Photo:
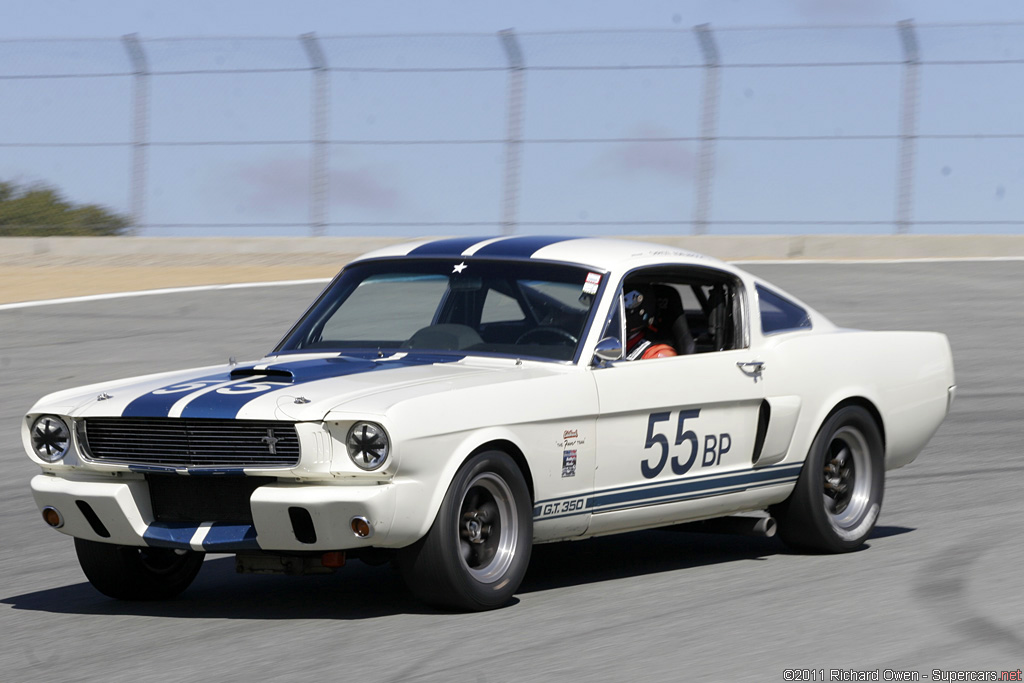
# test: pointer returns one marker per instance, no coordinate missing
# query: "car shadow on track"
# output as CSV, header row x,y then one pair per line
x,y
607,558
359,591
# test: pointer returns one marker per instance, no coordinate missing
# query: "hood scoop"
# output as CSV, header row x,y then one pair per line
x,y
274,374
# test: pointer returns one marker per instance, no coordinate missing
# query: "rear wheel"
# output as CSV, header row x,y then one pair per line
x,y
475,555
837,498
131,573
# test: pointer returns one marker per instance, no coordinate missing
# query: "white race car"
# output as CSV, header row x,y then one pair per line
x,y
450,403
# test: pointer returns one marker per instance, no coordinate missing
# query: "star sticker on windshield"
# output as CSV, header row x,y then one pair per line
x,y
459,268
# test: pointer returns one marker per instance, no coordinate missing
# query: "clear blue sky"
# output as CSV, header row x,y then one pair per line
x,y
955,180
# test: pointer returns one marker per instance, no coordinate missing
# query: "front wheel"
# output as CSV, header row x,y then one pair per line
x,y
131,573
475,555
837,498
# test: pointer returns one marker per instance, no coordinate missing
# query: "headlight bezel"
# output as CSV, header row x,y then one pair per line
x,y
368,445
50,446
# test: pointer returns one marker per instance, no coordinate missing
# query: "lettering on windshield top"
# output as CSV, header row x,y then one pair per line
x,y
710,447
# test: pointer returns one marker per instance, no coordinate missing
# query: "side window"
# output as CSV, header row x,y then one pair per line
x,y
779,314
500,307
674,311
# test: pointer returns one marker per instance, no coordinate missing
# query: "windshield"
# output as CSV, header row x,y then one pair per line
x,y
521,309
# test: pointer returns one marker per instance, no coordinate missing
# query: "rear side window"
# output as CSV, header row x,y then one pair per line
x,y
779,314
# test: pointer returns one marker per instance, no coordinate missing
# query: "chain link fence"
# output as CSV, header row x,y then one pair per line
x,y
853,129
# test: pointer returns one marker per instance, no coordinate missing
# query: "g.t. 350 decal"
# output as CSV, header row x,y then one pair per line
x,y
714,446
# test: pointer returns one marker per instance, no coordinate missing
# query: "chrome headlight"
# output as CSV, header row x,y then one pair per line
x,y
51,438
367,445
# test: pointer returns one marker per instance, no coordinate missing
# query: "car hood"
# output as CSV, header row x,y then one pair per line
x,y
300,388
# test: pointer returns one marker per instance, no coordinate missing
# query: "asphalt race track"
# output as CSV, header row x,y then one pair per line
x,y
939,586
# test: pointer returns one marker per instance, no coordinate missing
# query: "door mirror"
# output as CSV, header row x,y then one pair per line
x,y
608,349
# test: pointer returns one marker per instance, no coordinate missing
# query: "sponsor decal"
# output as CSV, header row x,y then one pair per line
x,y
592,283
569,463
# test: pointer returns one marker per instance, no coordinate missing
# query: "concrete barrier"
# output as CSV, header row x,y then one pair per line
x,y
316,251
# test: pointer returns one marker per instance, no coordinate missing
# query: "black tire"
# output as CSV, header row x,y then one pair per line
x,y
131,573
475,555
838,497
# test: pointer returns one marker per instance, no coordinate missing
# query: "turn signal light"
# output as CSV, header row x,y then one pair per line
x,y
52,517
361,527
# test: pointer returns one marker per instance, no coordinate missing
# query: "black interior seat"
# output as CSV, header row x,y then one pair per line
x,y
670,319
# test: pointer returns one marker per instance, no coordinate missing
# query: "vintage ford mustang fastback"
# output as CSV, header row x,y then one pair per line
x,y
449,403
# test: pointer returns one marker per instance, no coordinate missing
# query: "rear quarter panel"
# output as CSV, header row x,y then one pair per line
x,y
905,375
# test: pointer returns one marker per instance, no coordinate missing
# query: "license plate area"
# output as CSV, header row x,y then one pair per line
x,y
196,499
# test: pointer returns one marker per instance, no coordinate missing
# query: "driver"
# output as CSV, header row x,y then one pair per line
x,y
640,333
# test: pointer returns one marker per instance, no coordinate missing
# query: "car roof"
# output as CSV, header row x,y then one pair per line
x,y
598,253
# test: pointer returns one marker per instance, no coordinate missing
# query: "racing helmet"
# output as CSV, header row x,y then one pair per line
x,y
639,304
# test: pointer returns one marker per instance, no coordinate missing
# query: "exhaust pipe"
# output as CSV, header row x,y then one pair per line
x,y
763,527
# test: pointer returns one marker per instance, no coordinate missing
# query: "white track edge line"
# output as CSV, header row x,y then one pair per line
x,y
167,290
871,261
286,283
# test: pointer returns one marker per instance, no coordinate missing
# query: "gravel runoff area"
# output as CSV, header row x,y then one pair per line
x,y
33,269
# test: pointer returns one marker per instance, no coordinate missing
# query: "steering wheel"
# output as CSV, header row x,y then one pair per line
x,y
556,335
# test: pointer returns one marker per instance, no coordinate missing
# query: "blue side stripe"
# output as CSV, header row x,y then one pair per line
x,y
674,491
449,247
683,487
520,247
699,494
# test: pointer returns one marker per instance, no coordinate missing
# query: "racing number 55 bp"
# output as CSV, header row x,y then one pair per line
x,y
714,446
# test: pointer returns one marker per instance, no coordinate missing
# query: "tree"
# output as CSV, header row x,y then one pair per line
x,y
40,210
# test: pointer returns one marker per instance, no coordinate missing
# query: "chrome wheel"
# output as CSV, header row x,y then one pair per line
x,y
488,527
838,496
847,473
475,555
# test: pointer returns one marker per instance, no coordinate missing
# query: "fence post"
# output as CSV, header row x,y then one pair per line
x,y
319,179
708,128
140,127
514,139
908,125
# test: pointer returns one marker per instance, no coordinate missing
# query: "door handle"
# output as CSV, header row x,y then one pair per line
x,y
754,367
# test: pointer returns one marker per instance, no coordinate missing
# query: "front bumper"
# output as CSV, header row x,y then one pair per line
x,y
119,511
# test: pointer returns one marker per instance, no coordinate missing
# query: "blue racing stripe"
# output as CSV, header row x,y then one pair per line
x,y
520,247
159,404
450,247
225,403
219,537
230,537
170,535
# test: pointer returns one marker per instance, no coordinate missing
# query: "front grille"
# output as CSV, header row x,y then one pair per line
x,y
177,442
203,499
